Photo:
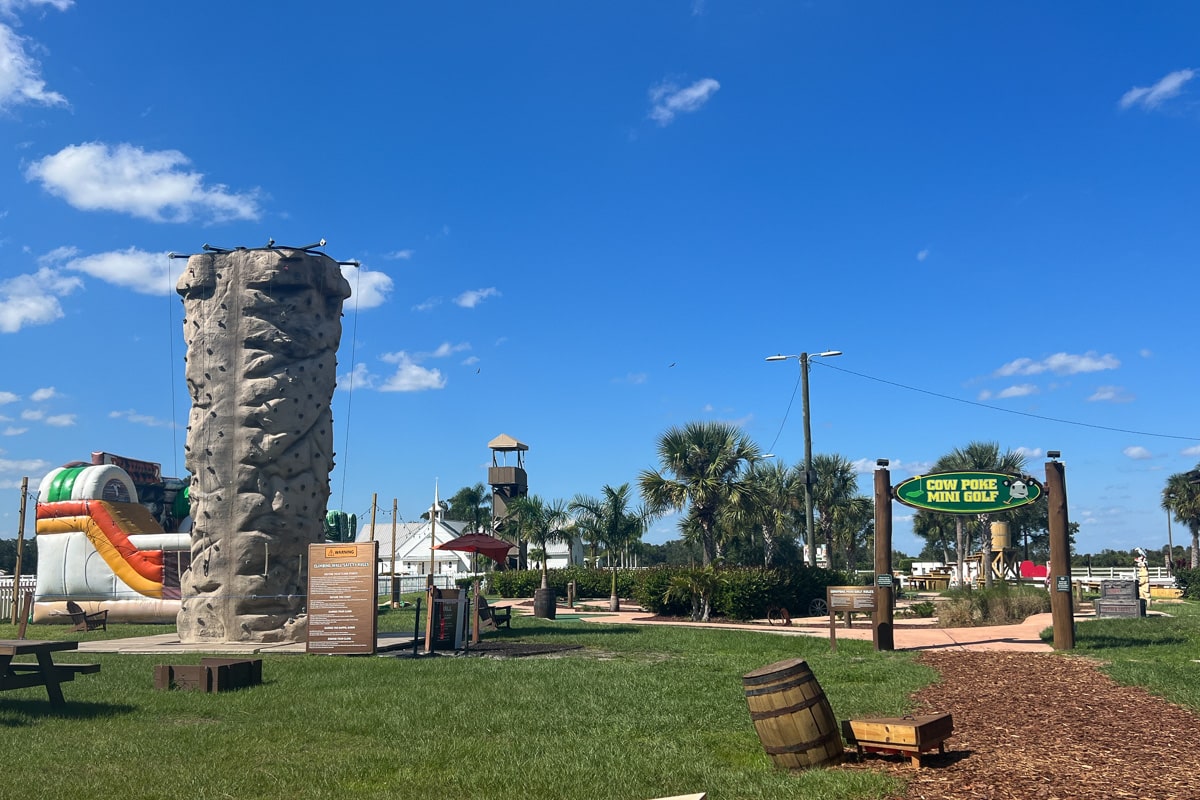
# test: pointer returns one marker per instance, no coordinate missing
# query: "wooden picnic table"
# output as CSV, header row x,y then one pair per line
x,y
20,675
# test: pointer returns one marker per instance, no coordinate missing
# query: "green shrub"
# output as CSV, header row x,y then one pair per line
x,y
1189,581
925,609
1002,604
743,593
651,589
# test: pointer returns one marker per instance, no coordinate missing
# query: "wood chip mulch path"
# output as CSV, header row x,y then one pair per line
x,y
1048,727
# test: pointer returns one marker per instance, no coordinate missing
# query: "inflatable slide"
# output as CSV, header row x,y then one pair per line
x,y
102,549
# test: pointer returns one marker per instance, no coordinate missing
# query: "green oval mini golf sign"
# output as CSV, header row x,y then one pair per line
x,y
968,492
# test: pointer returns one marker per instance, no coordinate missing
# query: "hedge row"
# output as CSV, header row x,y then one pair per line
x,y
1189,581
741,593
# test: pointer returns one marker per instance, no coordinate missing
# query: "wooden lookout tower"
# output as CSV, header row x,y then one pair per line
x,y
507,481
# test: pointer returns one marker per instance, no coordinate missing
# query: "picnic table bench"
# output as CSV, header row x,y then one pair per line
x,y
43,672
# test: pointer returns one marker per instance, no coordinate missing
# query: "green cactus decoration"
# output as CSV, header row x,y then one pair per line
x,y
340,526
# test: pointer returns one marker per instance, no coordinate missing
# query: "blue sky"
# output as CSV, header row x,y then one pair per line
x,y
580,225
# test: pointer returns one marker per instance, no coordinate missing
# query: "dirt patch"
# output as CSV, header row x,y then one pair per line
x,y
1032,725
503,649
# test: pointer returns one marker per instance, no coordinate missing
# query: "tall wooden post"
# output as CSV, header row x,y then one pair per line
x,y
1061,603
882,634
16,608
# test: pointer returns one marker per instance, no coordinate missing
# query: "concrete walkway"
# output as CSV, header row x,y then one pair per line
x,y
919,634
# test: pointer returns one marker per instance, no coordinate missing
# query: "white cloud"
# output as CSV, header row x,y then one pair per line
x,y
443,350
44,394
33,414
1018,390
60,420
428,305
401,255
475,297
1150,97
11,431
986,394
358,378
1060,364
923,254
1194,450
1137,453
1110,394
131,268
1029,452
8,397
33,299
867,466
141,419
669,100
150,185
10,7
24,466
368,288
20,74
634,378
410,376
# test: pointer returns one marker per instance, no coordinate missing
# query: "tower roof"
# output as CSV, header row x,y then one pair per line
x,y
506,442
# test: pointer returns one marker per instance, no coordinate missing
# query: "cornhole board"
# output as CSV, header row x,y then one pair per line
x,y
911,736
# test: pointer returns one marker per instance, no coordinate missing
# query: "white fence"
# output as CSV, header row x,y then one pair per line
x,y
28,583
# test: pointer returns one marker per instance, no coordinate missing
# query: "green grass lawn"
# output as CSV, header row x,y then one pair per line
x,y
639,712
1161,654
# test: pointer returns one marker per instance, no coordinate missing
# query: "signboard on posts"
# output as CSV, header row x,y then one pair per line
x,y
968,492
342,607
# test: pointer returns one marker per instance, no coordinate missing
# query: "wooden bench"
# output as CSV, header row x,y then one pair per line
x,y
42,673
494,615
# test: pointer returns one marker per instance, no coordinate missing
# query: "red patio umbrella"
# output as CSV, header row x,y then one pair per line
x,y
490,546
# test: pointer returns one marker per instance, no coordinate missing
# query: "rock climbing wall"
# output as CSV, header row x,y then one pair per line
x,y
262,329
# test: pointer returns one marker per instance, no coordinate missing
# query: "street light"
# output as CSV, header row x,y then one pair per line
x,y
803,358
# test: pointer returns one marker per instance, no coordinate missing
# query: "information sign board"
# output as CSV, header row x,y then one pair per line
x,y
342,606
850,598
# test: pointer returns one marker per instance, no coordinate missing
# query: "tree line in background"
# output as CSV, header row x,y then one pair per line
x,y
738,507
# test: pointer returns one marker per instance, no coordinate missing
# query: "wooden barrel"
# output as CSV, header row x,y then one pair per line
x,y
793,718
543,603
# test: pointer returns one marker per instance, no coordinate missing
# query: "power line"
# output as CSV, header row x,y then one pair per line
x,y
1005,410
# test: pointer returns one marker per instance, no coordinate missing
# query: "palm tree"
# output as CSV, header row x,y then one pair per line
x,y
782,502
705,462
979,457
696,586
837,502
539,524
472,504
1181,497
609,521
